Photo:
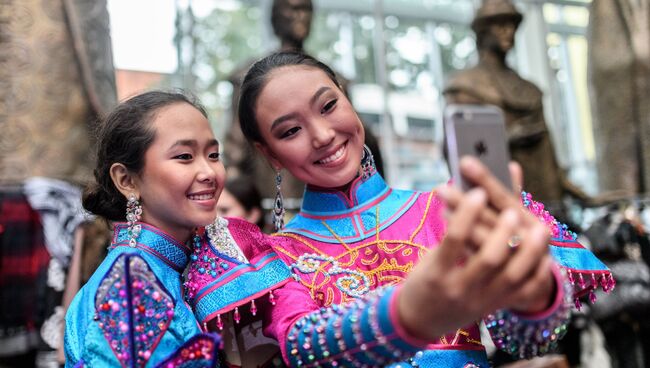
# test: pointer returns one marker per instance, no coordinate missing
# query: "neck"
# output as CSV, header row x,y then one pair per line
x,y
289,45
492,58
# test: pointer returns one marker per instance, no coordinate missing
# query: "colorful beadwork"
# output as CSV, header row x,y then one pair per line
x,y
527,338
200,351
339,335
133,309
558,229
205,262
223,242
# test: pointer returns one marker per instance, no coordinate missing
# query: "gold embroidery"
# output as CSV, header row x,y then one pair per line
x,y
367,254
424,216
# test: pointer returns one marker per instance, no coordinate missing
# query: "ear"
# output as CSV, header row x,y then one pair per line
x,y
270,156
123,180
254,215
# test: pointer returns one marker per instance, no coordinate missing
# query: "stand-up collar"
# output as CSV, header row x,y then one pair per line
x,y
319,201
155,242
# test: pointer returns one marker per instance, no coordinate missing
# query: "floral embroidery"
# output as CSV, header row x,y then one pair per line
x,y
353,283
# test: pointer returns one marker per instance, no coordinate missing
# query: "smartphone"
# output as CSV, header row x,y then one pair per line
x,y
479,131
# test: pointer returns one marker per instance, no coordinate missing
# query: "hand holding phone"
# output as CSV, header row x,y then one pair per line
x,y
479,131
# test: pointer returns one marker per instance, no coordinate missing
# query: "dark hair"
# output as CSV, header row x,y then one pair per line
x,y
245,192
123,137
257,77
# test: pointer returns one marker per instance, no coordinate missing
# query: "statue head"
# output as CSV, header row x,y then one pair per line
x,y
495,24
291,21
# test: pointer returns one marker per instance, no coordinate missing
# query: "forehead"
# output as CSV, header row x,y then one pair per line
x,y
179,120
294,82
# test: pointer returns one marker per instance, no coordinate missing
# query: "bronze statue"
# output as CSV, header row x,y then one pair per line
x,y
619,74
291,22
493,82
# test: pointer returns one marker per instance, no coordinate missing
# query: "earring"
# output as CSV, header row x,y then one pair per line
x,y
133,214
367,163
278,205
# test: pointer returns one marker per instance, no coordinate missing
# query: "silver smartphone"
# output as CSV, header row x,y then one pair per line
x,y
479,131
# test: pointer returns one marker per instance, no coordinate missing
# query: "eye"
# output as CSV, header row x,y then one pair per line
x,y
329,106
214,156
290,132
183,156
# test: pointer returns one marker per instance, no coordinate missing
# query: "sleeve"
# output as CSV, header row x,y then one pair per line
x,y
530,335
231,267
133,311
578,272
364,332
583,269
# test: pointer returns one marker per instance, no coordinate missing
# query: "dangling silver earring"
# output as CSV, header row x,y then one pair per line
x,y
133,214
367,163
278,205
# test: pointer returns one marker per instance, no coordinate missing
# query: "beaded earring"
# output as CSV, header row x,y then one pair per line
x,y
278,205
367,163
133,214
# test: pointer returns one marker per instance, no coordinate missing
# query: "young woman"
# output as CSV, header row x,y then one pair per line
x,y
158,177
382,275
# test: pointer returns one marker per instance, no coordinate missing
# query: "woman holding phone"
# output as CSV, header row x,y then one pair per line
x,y
388,276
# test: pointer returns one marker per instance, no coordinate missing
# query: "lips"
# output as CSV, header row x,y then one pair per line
x,y
333,156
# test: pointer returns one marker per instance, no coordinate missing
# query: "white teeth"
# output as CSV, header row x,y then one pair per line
x,y
201,197
333,157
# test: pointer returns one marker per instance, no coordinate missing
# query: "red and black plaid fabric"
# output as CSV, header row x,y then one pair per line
x,y
24,262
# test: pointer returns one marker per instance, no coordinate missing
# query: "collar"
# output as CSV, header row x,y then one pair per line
x,y
334,202
156,242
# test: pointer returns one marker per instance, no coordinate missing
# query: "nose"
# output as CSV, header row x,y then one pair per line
x,y
207,171
322,134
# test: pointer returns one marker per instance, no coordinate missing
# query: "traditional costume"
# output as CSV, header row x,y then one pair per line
x,y
131,312
348,254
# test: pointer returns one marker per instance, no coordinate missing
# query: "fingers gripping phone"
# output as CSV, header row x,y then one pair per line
x,y
479,131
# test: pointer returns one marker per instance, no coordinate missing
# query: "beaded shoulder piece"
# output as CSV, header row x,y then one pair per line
x,y
133,309
220,278
583,269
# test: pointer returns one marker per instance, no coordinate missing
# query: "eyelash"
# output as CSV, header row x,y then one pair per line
x,y
329,106
290,132
188,156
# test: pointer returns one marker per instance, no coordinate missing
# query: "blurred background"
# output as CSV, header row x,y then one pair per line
x,y
65,63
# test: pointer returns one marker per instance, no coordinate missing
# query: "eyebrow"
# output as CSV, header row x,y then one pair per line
x,y
312,100
193,143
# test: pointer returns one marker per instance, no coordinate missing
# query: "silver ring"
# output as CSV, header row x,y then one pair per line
x,y
514,242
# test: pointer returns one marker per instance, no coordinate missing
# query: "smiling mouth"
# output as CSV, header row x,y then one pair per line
x,y
333,157
201,197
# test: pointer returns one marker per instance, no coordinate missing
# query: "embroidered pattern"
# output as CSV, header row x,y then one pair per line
x,y
352,283
386,262
133,309
221,239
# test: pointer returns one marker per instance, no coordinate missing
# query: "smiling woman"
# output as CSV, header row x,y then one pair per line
x,y
158,169
381,276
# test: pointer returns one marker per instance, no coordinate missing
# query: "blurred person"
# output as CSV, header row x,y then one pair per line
x,y
241,199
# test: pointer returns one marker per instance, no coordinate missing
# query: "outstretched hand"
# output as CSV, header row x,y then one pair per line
x,y
494,255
